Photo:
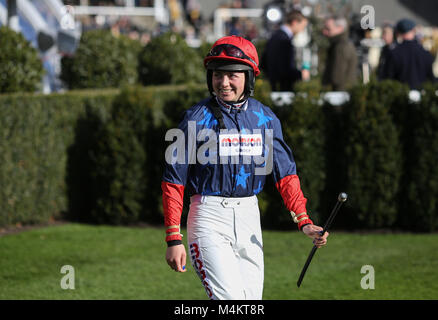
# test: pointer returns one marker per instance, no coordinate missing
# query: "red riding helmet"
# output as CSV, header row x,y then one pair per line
x,y
232,53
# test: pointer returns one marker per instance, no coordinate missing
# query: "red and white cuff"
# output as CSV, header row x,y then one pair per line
x,y
173,195
173,233
301,219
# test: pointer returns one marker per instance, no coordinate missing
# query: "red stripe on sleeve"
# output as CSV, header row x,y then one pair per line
x,y
290,190
173,196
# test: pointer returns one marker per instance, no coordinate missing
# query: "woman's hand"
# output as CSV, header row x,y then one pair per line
x,y
176,257
314,232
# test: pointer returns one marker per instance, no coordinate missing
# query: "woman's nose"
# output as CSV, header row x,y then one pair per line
x,y
225,81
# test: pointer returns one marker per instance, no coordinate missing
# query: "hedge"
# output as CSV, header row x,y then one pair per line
x,y
38,145
21,69
167,59
127,159
374,153
98,156
101,61
419,191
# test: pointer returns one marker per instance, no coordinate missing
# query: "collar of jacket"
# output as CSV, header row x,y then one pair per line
x,y
409,42
236,106
287,30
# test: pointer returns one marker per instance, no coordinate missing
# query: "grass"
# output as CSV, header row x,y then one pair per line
x,y
128,263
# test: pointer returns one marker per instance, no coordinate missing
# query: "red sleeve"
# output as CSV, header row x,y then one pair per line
x,y
173,196
290,190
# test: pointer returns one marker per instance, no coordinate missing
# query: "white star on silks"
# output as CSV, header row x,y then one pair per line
x,y
262,118
241,177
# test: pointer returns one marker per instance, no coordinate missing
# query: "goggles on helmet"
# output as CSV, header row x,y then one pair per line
x,y
230,51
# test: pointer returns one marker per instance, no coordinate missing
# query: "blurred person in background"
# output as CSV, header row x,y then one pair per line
x,y
236,4
409,62
193,14
235,27
251,31
389,39
278,59
341,65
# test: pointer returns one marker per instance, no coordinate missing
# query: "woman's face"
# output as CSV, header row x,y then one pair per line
x,y
388,35
229,85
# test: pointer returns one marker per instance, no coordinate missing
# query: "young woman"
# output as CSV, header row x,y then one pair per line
x,y
231,143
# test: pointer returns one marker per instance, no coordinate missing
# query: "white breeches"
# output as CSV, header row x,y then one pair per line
x,y
226,246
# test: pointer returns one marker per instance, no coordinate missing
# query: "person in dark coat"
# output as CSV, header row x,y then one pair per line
x,y
278,60
341,65
389,39
409,62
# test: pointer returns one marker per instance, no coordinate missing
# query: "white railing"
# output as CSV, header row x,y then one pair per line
x,y
114,11
335,98
158,11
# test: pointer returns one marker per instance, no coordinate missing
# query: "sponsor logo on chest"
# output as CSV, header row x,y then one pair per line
x,y
240,144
